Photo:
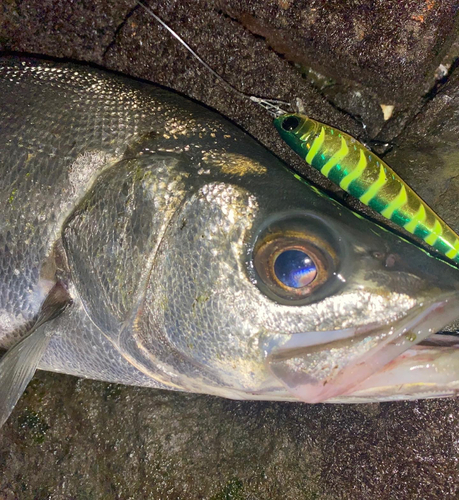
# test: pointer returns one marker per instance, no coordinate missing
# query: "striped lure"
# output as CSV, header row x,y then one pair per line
x,y
358,171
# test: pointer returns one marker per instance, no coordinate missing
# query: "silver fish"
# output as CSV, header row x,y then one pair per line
x,y
146,240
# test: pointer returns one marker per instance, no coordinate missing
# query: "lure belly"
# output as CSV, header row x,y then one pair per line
x,y
362,174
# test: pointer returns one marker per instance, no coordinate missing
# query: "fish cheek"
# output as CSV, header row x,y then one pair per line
x,y
193,331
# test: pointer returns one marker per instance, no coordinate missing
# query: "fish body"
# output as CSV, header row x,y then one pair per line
x,y
359,172
192,258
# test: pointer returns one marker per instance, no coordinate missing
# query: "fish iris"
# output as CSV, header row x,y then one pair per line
x,y
295,268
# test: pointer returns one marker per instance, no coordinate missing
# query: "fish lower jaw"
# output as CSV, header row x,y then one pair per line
x,y
388,363
427,370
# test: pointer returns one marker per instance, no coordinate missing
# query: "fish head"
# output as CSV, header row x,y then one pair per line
x,y
264,287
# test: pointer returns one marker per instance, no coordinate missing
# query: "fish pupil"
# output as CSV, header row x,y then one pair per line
x,y
294,268
290,123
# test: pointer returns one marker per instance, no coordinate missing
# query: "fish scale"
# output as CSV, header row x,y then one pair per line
x,y
362,174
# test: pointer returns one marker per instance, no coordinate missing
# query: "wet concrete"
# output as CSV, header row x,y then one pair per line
x,y
74,439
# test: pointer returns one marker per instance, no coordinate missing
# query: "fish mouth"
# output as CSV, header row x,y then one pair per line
x,y
373,362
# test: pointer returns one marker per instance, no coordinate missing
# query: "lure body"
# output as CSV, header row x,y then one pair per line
x,y
362,174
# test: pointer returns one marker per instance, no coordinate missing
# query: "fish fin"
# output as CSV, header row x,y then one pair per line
x,y
19,364
17,367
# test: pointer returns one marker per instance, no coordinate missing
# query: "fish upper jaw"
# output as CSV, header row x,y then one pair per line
x,y
321,366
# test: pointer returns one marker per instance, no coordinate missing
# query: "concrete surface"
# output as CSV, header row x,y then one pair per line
x,y
74,439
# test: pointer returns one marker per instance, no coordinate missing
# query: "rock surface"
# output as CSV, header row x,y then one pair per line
x,y
75,439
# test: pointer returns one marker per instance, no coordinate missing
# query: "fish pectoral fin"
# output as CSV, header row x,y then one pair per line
x,y
19,364
17,367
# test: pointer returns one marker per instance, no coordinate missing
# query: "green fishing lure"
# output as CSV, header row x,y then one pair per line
x,y
362,174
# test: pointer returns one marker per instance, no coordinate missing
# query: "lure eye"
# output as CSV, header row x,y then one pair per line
x,y
292,264
290,123
294,268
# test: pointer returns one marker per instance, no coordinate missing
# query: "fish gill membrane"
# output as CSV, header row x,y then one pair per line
x,y
193,258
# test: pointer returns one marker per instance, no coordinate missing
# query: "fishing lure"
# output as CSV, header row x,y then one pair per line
x,y
350,165
362,174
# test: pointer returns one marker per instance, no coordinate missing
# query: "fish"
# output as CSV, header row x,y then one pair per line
x,y
362,174
147,240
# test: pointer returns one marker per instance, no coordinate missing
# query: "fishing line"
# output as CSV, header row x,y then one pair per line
x,y
272,106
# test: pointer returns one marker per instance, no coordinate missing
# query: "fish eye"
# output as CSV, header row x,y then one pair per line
x,y
290,123
295,268
291,264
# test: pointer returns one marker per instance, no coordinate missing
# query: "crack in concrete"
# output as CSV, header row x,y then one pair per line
x,y
430,96
440,84
119,28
